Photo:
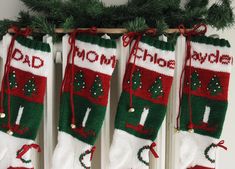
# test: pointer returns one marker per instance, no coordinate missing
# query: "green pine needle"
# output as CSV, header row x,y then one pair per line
x,y
40,22
136,25
161,26
69,23
95,8
45,6
196,4
4,26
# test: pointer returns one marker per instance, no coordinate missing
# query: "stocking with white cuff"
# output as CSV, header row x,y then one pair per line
x,y
204,101
22,96
84,97
142,105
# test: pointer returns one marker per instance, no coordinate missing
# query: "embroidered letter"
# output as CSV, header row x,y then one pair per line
x,y
213,58
17,54
171,64
161,62
225,59
146,54
91,54
80,54
37,62
26,60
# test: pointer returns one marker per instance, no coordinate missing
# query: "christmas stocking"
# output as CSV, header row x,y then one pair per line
x,y
204,100
21,108
84,98
142,105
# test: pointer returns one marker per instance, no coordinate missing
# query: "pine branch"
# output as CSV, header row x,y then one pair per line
x,y
69,23
192,4
45,6
136,25
94,8
4,25
24,19
40,22
221,15
161,26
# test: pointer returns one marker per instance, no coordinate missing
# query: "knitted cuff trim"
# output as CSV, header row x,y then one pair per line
x,y
211,41
107,43
33,44
157,43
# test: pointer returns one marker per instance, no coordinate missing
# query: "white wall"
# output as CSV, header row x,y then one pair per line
x,y
10,8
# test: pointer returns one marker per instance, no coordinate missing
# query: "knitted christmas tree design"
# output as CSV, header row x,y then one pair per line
x,y
79,82
81,129
214,86
30,87
12,80
140,127
204,124
156,89
97,88
195,81
136,80
140,152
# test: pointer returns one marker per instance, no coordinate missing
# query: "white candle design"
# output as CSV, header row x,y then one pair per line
x,y
20,112
206,114
144,116
86,117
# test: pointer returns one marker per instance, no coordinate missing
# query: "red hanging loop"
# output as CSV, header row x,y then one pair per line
x,y
71,55
92,152
199,29
127,40
220,144
153,151
18,32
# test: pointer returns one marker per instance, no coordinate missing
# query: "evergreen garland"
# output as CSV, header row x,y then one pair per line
x,y
221,15
135,15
